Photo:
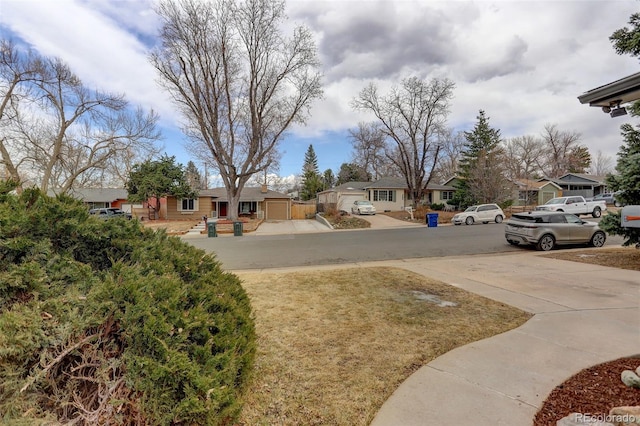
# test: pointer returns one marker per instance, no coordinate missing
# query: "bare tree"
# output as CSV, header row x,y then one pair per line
x,y
559,147
601,165
59,128
485,179
411,116
238,82
452,145
369,146
522,157
17,71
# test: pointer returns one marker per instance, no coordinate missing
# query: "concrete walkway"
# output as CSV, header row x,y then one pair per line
x,y
584,315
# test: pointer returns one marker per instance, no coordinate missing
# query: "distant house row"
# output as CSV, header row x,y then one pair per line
x,y
389,194
257,202
392,194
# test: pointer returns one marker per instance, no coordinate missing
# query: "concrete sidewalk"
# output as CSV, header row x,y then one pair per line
x,y
584,315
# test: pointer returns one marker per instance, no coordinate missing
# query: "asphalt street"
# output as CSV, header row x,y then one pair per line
x,y
353,246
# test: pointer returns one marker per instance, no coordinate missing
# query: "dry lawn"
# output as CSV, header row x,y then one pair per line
x,y
620,257
333,345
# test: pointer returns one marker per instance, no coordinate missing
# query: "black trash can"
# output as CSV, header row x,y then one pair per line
x,y
237,229
432,220
211,229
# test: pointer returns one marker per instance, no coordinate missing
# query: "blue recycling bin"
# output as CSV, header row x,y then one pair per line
x,y
432,220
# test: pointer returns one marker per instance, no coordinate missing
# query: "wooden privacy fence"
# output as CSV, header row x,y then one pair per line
x,y
302,211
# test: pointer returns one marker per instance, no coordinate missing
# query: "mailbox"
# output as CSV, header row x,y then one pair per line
x,y
630,217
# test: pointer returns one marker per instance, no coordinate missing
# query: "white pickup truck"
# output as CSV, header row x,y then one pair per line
x,y
574,204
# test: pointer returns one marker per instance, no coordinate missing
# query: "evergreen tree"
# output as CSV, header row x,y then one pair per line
x,y
311,179
328,179
627,181
194,177
480,166
158,179
350,172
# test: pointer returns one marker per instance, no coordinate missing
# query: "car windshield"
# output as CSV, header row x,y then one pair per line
x,y
555,201
363,203
471,209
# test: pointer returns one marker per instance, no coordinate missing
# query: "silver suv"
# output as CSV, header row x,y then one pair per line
x,y
548,229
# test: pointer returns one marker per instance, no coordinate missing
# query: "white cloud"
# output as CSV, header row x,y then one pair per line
x,y
523,62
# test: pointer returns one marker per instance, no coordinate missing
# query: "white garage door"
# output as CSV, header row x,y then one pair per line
x,y
345,201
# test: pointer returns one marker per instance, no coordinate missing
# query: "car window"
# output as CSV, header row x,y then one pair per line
x,y
575,200
471,209
557,218
571,218
525,217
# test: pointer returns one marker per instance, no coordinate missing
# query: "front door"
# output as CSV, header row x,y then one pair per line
x,y
223,209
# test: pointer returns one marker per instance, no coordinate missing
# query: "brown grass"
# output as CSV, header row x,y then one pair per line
x,y
620,257
334,344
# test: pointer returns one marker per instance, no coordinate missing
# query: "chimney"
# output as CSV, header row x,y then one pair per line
x,y
263,189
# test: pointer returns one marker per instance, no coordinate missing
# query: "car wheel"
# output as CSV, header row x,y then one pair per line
x,y
499,219
598,239
546,242
596,212
469,221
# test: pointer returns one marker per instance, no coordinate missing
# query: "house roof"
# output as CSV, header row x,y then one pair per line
x,y
384,183
399,183
534,184
248,194
624,90
388,182
348,186
594,178
98,195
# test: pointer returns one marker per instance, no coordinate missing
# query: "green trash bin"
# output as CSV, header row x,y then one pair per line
x,y
237,229
211,229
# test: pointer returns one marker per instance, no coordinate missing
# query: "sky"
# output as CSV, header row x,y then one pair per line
x,y
523,62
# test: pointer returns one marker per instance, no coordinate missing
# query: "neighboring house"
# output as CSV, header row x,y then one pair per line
x,y
389,193
342,196
580,184
260,203
528,192
96,198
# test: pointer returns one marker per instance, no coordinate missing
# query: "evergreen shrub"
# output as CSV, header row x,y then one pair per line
x,y
105,322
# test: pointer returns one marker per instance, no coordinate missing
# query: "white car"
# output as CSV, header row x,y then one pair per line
x,y
484,213
363,207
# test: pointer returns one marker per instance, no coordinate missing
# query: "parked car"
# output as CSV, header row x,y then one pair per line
x,y
109,212
484,213
575,204
607,197
363,207
547,229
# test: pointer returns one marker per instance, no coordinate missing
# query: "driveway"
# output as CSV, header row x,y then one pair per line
x,y
381,221
285,227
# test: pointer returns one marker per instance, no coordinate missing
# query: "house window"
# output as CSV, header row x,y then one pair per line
x,y
188,205
447,195
384,195
247,207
